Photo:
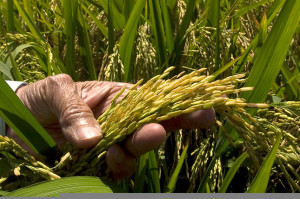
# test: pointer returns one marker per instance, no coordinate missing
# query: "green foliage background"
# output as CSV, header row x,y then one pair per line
x,y
127,40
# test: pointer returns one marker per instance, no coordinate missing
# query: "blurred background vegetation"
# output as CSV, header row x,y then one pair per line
x,y
129,40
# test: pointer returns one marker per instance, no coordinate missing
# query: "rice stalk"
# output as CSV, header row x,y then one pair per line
x,y
158,100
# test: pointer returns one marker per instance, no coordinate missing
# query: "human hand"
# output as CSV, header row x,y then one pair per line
x,y
67,110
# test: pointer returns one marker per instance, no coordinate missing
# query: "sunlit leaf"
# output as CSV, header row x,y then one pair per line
x,y
261,180
76,184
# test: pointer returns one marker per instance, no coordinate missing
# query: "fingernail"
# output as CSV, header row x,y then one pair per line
x,y
88,132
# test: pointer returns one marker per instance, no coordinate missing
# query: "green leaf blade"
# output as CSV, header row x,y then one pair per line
x,y
173,180
18,117
260,182
271,56
75,184
127,39
153,172
232,171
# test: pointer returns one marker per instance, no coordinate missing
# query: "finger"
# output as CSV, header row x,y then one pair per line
x,y
121,164
98,95
75,117
198,119
57,97
149,137
122,160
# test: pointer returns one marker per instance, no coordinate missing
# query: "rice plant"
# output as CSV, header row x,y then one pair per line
x,y
190,53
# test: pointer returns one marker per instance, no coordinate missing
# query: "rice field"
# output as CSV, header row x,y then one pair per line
x,y
240,57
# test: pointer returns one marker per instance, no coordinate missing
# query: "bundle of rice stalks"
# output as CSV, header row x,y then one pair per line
x,y
158,100
18,168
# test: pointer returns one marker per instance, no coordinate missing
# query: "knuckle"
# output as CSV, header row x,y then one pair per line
x,y
54,87
57,82
61,78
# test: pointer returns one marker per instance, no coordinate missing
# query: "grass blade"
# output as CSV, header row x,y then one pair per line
x,y
271,14
232,171
127,39
84,45
140,173
4,69
153,173
33,29
76,184
28,8
18,117
128,5
16,51
292,81
173,180
271,56
180,37
167,26
245,10
158,30
260,182
118,18
111,35
224,68
10,16
263,30
15,70
70,10
3,193
202,185
212,9
98,23
268,59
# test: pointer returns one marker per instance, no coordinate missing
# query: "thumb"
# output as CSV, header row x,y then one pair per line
x,y
75,117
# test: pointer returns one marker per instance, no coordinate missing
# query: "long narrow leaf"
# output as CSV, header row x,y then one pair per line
x,y
15,70
180,37
85,48
139,179
10,16
118,18
202,185
173,180
5,70
15,52
212,9
28,8
271,14
111,35
272,54
232,171
158,30
76,184
32,27
18,117
127,39
70,34
98,23
245,10
224,68
264,69
3,193
167,26
128,5
261,180
153,172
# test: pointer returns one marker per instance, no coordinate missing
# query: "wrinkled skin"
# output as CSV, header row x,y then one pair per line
x,y
68,110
